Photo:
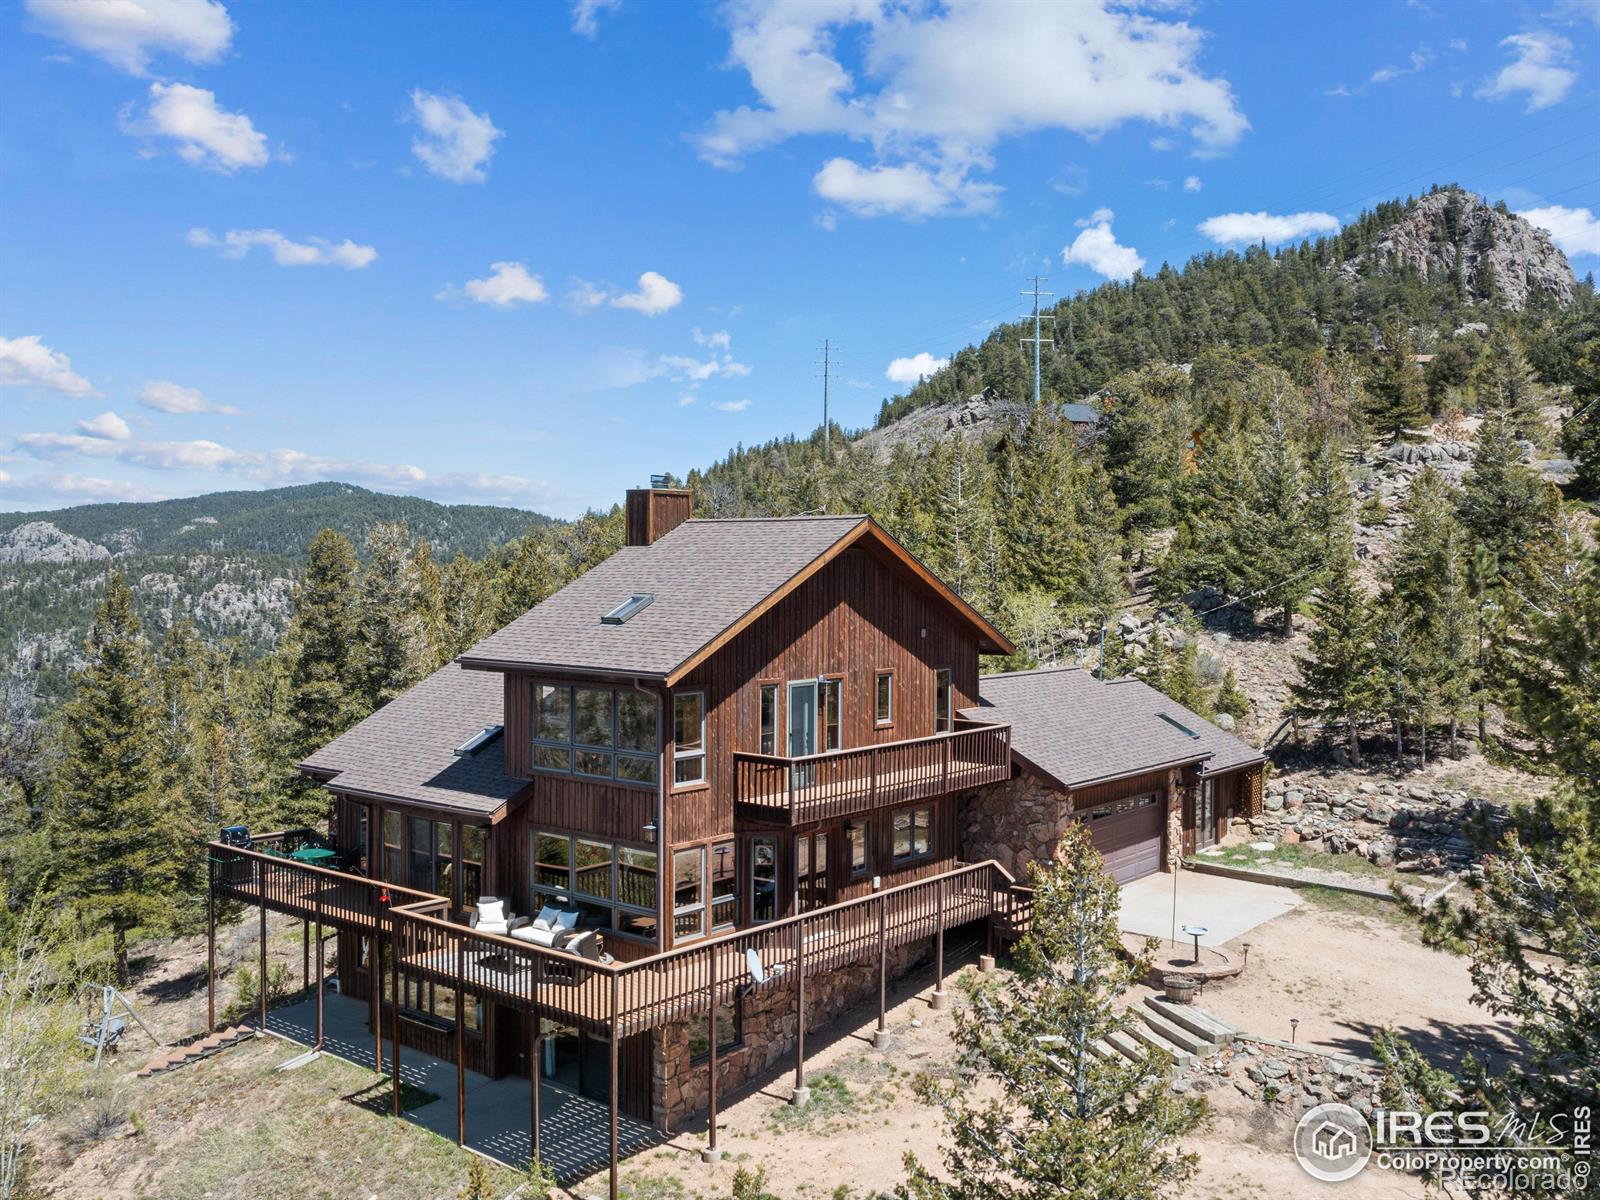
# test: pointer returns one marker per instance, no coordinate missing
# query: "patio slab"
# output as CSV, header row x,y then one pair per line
x,y
574,1130
1226,907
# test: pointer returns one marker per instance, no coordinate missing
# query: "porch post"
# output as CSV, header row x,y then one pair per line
x,y
461,1043
613,1088
535,1070
261,986
711,1153
937,1000
317,904
880,1036
211,942
802,1093
305,951
394,1011
375,993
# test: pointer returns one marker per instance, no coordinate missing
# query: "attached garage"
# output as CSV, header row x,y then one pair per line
x,y
1127,833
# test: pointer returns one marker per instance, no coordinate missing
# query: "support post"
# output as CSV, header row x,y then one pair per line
x,y
317,904
394,1011
461,1042
211,943
802,1094
937,1000
375,993
711,1154
880,1036
305,951
613,1088
535,1071
261,984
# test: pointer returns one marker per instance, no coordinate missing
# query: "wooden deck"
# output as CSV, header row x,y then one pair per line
x,y
820,787
630,996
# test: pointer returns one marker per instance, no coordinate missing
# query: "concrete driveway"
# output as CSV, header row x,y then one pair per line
x,y
1226,907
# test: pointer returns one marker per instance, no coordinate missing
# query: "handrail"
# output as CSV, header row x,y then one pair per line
x,y
782,760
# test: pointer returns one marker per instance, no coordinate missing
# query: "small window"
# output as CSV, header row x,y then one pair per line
x,y
730,1030
769,718
688,892
632,605
393,864
885,709
913,833
943,712
724,886
689,737
763,879
830,714
855,833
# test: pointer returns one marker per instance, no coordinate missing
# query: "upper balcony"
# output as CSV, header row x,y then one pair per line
x,y
818,787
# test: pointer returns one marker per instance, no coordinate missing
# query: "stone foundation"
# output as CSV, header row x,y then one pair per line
x,y
1017,822
680,1084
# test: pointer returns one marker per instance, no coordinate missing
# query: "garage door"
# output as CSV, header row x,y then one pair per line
x,y
1127,833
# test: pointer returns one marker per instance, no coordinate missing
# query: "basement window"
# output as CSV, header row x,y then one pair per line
x,y
628,608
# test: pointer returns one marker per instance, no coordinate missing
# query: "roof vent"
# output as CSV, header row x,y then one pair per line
x,y
628,608
478,741
1179,726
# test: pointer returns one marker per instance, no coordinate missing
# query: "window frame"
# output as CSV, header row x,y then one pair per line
x,y
830,737
767,731
854,829
698,907
615,754
881,721
944,693
752,861
681,755
913,855
569,895
716,873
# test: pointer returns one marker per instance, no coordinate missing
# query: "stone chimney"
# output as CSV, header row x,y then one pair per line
x,y
657,510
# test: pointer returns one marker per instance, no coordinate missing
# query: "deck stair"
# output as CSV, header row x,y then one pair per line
x,y
1181,1031
174,1057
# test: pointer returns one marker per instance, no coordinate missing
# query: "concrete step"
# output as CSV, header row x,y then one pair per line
x,y
1196,1020
1177,1034
1180,1057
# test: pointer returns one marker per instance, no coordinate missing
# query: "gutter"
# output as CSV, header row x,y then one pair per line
x,y
559,669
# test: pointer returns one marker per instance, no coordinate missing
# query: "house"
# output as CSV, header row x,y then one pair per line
x,y
736,772
1154,780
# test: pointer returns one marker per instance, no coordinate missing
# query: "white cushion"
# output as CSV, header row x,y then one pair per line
x,y
491,912
532,933
549,916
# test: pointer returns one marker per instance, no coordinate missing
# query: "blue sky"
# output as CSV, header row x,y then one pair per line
x,y
529,253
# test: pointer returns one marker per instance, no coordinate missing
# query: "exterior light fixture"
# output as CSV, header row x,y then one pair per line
x,y
650,832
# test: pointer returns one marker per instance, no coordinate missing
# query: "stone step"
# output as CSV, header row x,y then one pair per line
x,y
1180,1057
1196,1020
1177,1034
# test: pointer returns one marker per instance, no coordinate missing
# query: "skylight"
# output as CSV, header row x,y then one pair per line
x,y
478,741
1179,726
628,608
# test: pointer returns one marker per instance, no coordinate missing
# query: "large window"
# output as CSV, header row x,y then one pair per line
x,y
943,713
730,1029
724,885
763,879
435,1004
913,833
471,865
600,733
688,892
611,887
769,718
689,737
884,712
393,862
431,855
830,714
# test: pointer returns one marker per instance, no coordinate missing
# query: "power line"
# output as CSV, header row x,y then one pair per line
x,y
1036,341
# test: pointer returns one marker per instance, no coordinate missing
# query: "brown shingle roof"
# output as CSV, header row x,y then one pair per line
x,y
1079,730
406,750
706,576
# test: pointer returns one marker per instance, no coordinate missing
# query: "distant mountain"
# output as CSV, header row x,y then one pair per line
x,y
280,521
225,561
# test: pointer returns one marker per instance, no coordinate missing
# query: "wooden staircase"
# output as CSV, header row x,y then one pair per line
x,y
174,1057
1181,1031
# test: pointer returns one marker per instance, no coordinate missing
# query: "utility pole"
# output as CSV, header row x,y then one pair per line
x,y
827,372
1036,341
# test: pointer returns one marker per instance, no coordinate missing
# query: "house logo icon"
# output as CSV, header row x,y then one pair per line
x,y
1333,1142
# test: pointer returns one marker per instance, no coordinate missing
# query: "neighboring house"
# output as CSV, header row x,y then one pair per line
x,y
738,768
1153,780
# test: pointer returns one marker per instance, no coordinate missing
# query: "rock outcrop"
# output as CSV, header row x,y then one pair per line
x,y
972,419
1517,256
42,542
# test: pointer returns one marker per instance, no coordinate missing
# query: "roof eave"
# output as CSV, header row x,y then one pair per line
x,y
590,672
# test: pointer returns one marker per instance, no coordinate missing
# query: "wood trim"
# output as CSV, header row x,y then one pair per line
x,y
864,528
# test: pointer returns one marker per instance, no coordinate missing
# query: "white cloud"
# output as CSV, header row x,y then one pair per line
x,y
655,296
27,360
1096,247
507,284
906,190
1229,229
1417,61
731,406
684,369
73,489
314,252
165,396
126,33
106,425
687,399
918,366
939,87
1191,183
1575,230
456,143
586,13
206,135
717,339
1539,68
1573,11
585,295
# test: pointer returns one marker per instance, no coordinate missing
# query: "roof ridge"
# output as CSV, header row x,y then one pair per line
x,y
1029,671
796,517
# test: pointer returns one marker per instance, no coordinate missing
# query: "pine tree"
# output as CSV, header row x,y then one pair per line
x,y
526,581
1337,682
1398,390
110,820
325,673
392,615
1059,1122
1144,442
1506,508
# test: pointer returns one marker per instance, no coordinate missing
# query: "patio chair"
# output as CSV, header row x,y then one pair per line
x,y
586,944
491,916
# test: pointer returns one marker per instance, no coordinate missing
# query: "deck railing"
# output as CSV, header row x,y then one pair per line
x,y
635,995
819,787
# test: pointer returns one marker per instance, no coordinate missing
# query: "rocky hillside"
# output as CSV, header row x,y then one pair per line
x,y
1485,251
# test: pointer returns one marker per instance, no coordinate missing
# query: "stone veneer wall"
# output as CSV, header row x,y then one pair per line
x,y
681,1085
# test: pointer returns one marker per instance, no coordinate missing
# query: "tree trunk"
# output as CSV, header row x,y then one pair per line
x,y
1354,733
1399,739
1288,620
1455,736
1483,730
119,951
1422,741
